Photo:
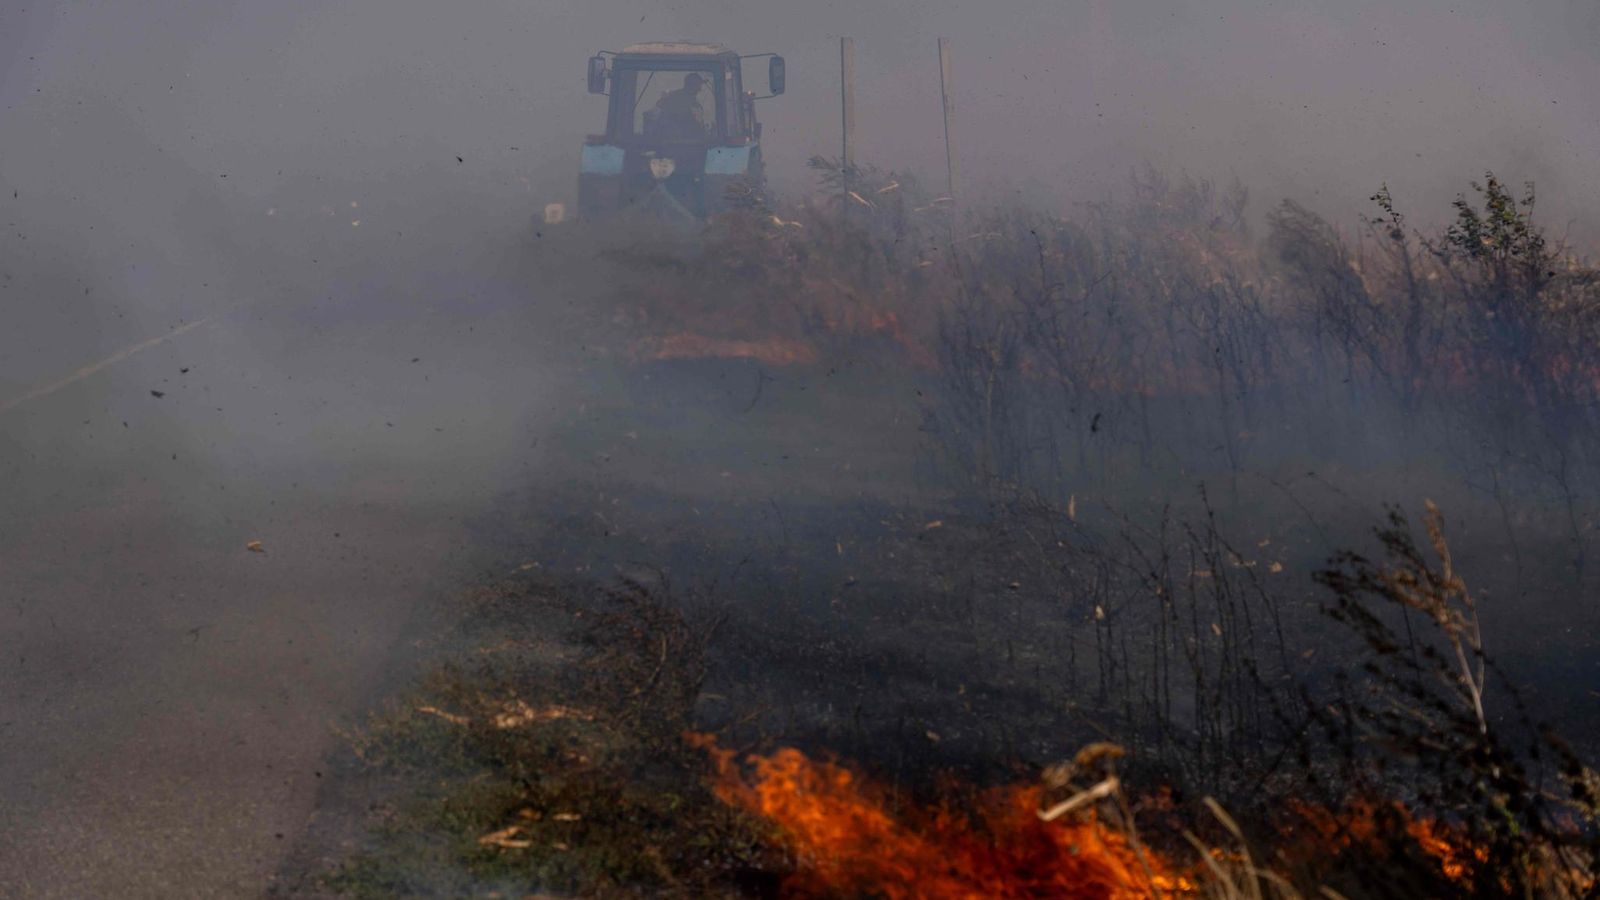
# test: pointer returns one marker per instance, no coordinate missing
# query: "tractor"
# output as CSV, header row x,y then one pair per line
x,y
681,142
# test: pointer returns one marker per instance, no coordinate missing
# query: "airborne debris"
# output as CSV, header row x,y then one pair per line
x,y
255,547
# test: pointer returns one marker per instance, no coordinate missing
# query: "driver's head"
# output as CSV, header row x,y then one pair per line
x,y
693,81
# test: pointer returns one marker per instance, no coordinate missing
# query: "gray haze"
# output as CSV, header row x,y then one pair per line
x,y
1320,100
129,131
363,375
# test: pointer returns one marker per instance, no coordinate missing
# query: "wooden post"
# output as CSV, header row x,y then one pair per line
x,y
847,100
949,115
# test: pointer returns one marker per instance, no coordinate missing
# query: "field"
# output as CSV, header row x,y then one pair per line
x,y
1165,547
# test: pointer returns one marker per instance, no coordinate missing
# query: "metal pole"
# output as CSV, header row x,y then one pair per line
x,y
949,115
847,100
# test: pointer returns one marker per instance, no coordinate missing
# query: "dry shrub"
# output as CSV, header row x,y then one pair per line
x,y
1418,718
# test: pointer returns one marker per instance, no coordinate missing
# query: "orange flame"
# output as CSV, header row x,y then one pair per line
x,y
846,842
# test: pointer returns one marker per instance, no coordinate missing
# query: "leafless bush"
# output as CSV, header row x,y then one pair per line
x,y
1154,336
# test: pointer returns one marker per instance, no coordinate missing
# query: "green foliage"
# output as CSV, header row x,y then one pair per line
x,y
1502,232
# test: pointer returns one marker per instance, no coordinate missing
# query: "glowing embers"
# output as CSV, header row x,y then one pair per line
x,y
1373,827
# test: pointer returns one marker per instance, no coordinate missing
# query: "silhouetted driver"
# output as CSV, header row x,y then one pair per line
x,y
679,112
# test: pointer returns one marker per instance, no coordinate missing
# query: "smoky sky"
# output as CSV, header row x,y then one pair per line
x,y
118,112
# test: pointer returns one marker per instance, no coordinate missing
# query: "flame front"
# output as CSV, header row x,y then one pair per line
x,y
846,842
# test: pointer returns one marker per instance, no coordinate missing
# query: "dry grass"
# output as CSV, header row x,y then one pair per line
x,y
533,771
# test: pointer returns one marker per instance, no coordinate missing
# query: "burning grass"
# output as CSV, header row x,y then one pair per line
x,y
850,837
847,843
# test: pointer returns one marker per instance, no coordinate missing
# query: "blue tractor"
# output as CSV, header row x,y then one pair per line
x,y
681,140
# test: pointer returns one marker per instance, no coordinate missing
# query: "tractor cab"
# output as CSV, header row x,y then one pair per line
x,y
681,140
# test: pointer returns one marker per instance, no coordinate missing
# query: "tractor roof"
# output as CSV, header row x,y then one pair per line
x,y
675,48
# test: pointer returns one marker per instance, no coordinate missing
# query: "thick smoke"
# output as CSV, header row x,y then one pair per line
x,y
268,273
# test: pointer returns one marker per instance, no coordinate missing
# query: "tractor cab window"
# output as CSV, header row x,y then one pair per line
x,y
668,104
